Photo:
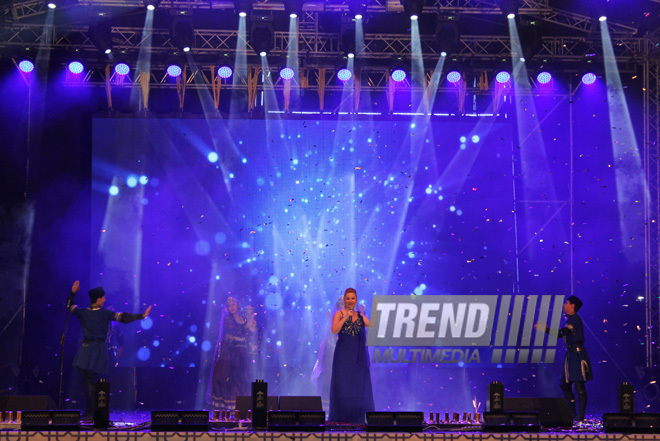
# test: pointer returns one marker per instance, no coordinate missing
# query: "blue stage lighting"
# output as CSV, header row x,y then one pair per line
x,y
454,76
174,70
122,69
344,74
113,190
503,77
225,72
588,79
287,73
76,67
26,66
212,157
398,75
144,180
132,181
544,77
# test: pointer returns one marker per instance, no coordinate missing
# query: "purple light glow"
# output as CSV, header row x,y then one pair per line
x,y
225,72
26,66
344,75
398,75
454,76
287,73
588,79
76,67
503,77
544,77
122,69
173,70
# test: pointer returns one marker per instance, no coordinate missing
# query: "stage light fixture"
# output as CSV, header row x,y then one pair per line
x,y
454,76
174,70
602,18
76,67
181,32
503,77
344,75
446,35
588,79
26,66
351,55
510,8
262,37
398,75
51,5
544,77
242,7
413,8
347,38
174,66
225,72
293,8
287,73
122,68
531,39
443,54
100,34
357,8
151,4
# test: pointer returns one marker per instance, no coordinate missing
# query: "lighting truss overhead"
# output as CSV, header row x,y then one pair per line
x,y
509,8
454,76
76,67
413,8
181,32
344,74
544,77
225,72
588,79
503,77
287,73
26,66
398,75
122,68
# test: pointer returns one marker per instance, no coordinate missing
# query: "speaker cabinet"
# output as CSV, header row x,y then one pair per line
x,y
631,422
179,420
553,412
511,422
50,420
296,421
395,421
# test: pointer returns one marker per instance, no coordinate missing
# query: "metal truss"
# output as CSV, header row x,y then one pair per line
x,y
539,9
652,204
311,44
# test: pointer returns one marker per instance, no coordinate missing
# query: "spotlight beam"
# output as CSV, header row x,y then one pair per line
x,y
417,60
631,187
144,57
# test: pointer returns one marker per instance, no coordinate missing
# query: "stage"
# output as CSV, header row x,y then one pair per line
x,y
141,435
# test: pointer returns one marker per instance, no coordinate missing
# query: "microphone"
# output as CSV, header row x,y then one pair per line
x,y
69,300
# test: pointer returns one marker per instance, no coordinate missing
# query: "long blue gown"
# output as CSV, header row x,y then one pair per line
x,y
350,387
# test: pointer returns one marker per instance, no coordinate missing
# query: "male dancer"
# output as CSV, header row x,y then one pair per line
x,y
577,366
92,357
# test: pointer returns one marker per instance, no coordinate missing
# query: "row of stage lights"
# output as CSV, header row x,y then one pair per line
x,y
225,72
